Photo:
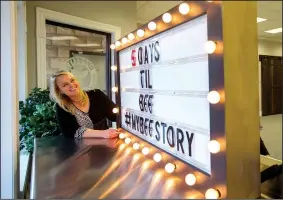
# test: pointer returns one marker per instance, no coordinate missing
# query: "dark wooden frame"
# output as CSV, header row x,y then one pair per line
x,y
216,82
107,54
263,105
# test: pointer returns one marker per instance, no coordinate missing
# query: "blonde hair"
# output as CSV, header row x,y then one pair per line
x,y
63,100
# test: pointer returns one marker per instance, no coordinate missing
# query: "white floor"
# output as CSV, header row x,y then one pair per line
x,y
272,134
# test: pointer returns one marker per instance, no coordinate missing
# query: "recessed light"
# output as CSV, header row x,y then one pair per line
x,y
258,19
273,31
62,38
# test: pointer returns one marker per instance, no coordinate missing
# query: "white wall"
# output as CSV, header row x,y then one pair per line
x,y
9,101
21,18
269,48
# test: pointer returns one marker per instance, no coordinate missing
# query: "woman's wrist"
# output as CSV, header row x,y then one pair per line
x,y
94,133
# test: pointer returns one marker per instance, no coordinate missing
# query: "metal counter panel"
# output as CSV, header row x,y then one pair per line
x,y
96,168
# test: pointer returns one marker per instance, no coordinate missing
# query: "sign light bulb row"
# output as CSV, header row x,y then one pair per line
x,y
184,9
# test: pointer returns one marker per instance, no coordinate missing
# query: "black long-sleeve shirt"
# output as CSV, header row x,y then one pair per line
x,y
100,109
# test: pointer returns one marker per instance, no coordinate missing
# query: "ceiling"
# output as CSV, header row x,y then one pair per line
x,y
270,10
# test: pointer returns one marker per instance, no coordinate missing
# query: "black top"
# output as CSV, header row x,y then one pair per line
x,y
100,108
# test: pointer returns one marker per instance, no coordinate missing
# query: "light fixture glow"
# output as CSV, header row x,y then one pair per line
x,y
213,146
57,38
170,168
115,110
140,33
124,40
117,43
258,19
213,97
131,36
190,179
273,31
212,194
184,8
210,47
151,26
167,17
128,140
113,67
122,136
145,151
114,89
157,157
112,46
136,146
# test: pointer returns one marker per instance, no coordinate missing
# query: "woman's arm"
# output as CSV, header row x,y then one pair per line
x,y
70,128
91,133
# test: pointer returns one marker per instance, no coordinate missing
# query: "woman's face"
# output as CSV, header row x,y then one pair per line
x,y
68,85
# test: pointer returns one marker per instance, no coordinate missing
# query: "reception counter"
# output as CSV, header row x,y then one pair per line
x,y
102,168
97,168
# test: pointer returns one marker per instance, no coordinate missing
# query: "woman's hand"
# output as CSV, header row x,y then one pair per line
x,y
110,133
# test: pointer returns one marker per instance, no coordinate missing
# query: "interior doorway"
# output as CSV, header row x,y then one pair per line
x,y
83,52
271,84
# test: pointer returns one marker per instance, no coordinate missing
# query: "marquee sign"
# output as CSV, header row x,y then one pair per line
x,y
164,86
166,74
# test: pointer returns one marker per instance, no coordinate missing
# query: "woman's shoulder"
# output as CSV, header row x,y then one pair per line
x,y
94,92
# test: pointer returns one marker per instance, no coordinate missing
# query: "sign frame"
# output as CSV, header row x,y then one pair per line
x,y
213,11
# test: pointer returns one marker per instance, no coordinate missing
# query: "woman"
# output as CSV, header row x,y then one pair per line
x,y
80,113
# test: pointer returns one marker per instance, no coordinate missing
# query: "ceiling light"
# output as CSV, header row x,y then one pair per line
x,y
273,31
62,38
88,45
258,19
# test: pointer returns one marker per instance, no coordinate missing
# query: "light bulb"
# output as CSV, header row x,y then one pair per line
x,y
213,146
212,194
117,43
210,47
128,140
184,8
157,157
190,179
124,40
140,33
145,151
115,110
112,46
169,168
151,26
114,89
213,97
131,36
136,146
122,136
167,17
113,68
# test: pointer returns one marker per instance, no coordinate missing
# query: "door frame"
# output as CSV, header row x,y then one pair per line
x,y
43,14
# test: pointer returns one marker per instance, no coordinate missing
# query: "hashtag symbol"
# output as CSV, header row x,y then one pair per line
x,y
127,118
